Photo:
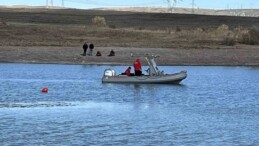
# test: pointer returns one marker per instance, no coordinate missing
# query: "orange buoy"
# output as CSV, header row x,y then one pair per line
x,y
44,90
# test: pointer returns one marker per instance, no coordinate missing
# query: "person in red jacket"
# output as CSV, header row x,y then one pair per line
x,y
137,68
127,72
98,53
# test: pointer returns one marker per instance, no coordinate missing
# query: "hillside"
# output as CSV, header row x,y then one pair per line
x,y
56,36
197,11
69,27
120,18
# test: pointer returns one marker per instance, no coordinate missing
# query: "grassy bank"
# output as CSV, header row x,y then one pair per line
x,y
71,27
57,36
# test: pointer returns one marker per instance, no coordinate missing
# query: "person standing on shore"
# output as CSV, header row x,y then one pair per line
x,y
85,47
137,68
91,46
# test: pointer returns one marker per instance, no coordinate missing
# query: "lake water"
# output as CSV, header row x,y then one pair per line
x,y
212,106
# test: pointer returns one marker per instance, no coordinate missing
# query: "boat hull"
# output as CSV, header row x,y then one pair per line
x,y
146,79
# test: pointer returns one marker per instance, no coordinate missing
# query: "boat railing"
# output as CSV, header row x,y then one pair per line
x,y
150,58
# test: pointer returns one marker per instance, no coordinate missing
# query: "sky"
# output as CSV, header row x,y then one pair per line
x,y
86,4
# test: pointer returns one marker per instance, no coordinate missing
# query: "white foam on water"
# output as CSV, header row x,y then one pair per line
x,y
43,80
64,104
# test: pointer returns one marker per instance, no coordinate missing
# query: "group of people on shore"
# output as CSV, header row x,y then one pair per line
x,y
136,65
85,47
137,69
90,52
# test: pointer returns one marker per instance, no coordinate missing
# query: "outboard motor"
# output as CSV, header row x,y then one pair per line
x,y
109,72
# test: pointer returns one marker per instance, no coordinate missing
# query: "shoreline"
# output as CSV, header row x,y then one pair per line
x,y
168,56
97,64
179,39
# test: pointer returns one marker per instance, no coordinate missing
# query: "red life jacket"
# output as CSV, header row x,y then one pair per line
x,y
127,72
137,65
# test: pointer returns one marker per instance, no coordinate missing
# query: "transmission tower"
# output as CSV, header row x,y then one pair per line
x,y
193,3
49,3
172,4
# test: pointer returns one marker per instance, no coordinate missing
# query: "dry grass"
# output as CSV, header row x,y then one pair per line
x,y
123,29
56,36
15,34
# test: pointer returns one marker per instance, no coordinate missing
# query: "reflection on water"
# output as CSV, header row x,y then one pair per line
x,y
213,106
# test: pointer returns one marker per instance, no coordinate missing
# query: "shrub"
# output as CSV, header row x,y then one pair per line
x,y
169,30
112,26
141,28
178,29
250,37
3,23
229,40
222,30
199,30
99,21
